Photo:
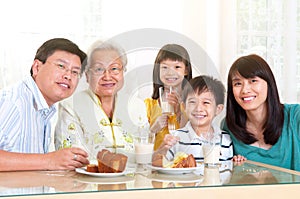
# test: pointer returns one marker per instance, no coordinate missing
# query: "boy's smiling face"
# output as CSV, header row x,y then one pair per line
x,y
201,109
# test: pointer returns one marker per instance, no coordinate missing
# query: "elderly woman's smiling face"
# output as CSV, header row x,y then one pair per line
x,y
105,75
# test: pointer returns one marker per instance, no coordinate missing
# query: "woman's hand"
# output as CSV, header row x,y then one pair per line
x,y
239,158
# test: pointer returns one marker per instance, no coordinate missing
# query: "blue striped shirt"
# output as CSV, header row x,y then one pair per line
x,y
25,118
191,143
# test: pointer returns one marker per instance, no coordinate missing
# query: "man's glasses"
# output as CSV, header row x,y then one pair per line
x,y
76,73
113,69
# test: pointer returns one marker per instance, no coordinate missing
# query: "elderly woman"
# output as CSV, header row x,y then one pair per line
x,y
90,118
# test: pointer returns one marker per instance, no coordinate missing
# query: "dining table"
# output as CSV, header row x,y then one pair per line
x,y
228,179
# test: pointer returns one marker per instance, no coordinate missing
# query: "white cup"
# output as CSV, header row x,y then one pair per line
x,y
212,150
164,104
143,153
144,147
211,154
211,176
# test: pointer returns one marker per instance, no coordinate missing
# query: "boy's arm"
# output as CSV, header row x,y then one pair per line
x,y
168,142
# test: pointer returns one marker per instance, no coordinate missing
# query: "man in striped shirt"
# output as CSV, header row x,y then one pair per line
x,y
27,107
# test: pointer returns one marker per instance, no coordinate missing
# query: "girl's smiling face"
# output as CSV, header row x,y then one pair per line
x,y
172,72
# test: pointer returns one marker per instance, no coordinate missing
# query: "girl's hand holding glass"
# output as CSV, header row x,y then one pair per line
x,y
174,100
160,123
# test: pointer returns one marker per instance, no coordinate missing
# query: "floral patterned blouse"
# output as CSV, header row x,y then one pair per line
x,y
83,123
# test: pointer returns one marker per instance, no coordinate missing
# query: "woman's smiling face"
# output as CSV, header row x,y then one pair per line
x,y
250,93
106,84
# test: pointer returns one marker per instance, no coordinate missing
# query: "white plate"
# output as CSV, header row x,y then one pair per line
x,y
103,175
173,170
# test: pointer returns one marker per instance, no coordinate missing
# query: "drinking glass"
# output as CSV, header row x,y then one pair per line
x,y
167,108
144,147
171,123
211,176
164,104
212,149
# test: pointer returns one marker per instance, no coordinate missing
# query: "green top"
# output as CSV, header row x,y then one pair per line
x,y
286,152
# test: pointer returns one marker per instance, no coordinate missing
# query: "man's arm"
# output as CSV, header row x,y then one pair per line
x,y
65,159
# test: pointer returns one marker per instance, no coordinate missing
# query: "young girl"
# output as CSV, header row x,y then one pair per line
x,y
172,68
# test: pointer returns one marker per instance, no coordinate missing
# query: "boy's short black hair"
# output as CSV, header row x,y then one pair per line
x,y
205,83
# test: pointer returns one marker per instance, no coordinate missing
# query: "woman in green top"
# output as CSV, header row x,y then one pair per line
x,y
262,128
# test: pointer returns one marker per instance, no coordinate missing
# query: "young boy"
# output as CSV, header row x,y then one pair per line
x,y
203,99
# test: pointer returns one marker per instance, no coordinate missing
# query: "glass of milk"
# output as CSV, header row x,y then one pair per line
x,y
211,176
164,104
144,147
212,150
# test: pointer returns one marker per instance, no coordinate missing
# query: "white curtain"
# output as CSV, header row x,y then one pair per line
x,y
212,24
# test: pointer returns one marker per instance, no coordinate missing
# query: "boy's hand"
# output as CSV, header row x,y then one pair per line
x,y
169,141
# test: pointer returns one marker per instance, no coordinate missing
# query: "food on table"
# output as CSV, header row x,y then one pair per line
x,y
181,160
157,160
92,168
109,162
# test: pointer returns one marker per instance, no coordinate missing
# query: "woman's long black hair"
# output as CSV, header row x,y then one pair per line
x,y
248,67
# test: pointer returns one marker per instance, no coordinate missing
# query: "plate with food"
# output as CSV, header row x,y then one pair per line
x,y
97,174
181,164
108,165
105,180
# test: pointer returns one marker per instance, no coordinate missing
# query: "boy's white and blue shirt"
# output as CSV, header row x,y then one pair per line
x,y
25,118
191,143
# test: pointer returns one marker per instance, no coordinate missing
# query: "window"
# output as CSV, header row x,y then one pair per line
x,y
270,28
28,25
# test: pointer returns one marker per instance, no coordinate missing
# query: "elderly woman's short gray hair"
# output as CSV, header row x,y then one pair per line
x,y
106,45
